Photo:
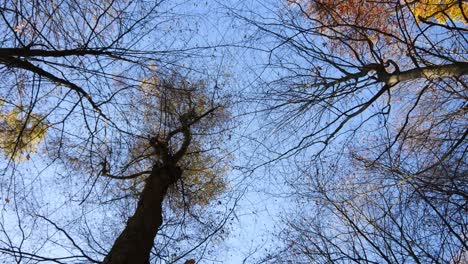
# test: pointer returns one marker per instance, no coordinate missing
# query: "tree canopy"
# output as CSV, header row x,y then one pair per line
x,y
375,96
156,131
121,131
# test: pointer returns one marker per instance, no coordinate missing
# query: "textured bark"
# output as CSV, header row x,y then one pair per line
x,y
430,72
135,242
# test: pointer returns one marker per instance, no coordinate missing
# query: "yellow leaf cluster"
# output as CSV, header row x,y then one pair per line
x,y
203,179
162,102
441,10
20,133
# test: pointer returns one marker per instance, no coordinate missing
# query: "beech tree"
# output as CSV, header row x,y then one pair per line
x,y
180,111
368,106
108,135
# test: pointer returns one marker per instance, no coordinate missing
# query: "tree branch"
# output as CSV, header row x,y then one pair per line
x,y
27,52
25,65
132,176
430,72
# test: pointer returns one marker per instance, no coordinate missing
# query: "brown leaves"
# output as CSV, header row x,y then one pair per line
x,y
355,26
364,14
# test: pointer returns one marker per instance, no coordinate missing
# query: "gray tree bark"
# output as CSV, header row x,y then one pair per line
x,y
135,242
429,72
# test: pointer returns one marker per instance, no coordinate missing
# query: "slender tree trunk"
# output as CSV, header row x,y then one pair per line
x,y
135,242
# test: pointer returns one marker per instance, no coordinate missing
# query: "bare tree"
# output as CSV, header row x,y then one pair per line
x,y
103,93
368,104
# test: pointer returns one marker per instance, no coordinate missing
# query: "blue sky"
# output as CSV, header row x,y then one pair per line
x,y
220,44
231,65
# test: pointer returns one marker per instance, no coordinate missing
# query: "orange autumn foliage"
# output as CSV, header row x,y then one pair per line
x,y
362,25
355,22
380,15
356,13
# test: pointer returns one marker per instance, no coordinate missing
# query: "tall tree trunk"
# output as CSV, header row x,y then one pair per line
x,y
135,242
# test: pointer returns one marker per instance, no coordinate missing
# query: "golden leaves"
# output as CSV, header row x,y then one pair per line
x,y
441,11
164,102
21,133
203,179
203,176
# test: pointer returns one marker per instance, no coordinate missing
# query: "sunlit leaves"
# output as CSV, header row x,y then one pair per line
x,y
20,132
163,103
203,177
380,14
203,180
441,10
357,24
341,13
